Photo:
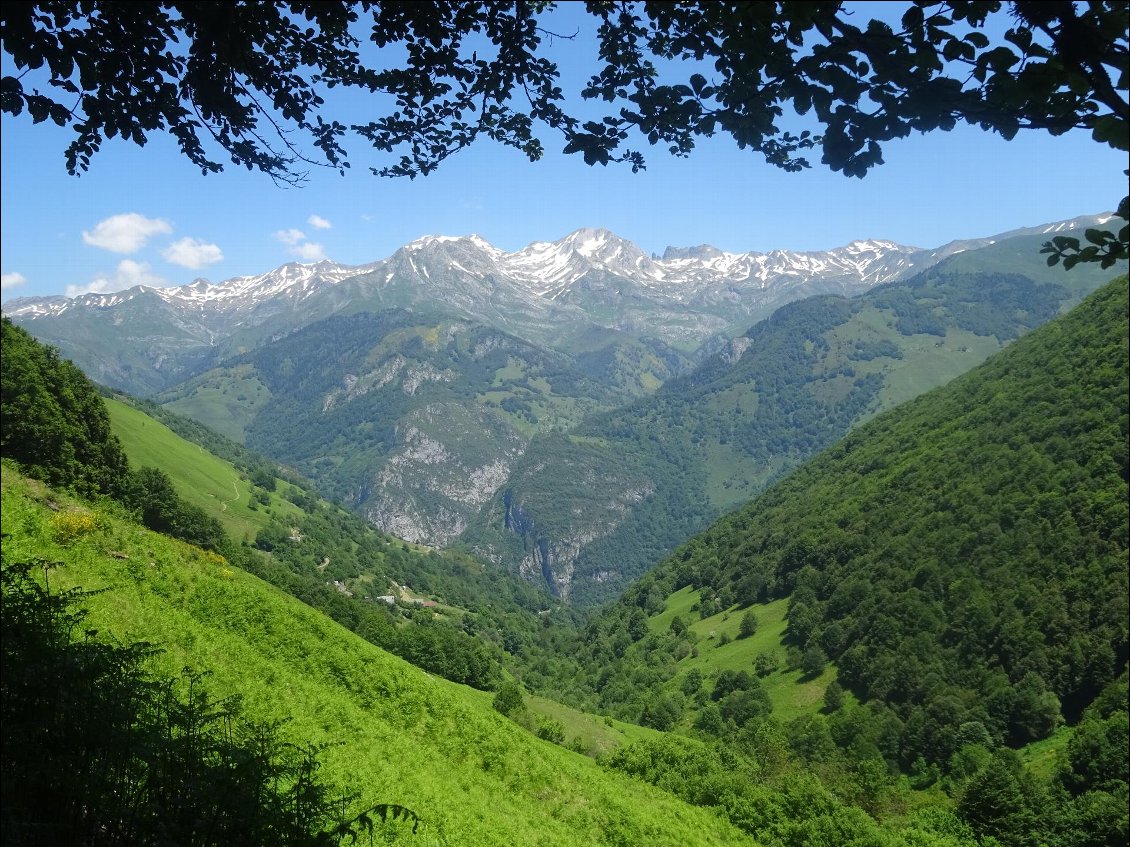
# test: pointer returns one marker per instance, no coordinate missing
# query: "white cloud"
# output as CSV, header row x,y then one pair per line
x,y
318,222
11,280
128,274
190,253
290,237
295,239
310,252
125,233
97,287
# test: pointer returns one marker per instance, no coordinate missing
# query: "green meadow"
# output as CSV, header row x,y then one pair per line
x,y
720,648
586,733
390,732
199,477
223,399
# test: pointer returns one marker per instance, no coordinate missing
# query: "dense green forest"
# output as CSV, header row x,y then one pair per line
x,y
970,545
961,562
54,423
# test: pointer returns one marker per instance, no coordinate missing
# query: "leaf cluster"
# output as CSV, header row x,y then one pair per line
x,y
250,79
1102,246
241,77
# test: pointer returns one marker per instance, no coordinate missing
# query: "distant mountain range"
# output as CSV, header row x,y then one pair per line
x,y
549,293
572,410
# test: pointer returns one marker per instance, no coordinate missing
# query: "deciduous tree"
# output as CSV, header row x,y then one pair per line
x,y
788,80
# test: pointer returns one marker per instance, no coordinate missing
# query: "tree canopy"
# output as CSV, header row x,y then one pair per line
x,y
54,423
789,80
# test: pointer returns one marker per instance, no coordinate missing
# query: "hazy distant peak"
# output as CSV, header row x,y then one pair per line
x,y
702,251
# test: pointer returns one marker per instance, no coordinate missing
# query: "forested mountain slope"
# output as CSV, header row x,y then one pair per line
x,y
961,559
956,587
712,439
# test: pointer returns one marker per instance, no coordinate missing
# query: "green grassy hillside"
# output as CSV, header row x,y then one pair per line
x,y
199,477
394,733
337,563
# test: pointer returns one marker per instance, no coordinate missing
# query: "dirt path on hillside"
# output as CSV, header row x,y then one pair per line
x,y
234,488
234,497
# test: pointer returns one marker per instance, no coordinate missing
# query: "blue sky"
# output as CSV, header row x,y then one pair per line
x,y
147,215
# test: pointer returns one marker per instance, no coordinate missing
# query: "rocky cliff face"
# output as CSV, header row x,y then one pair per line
x,y
550,559
430,486
544,543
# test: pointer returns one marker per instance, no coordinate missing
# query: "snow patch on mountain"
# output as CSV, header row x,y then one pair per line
x,y
587,268
295,281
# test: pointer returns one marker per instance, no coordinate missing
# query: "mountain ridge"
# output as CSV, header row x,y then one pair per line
x,y
537,262
524,265
144,340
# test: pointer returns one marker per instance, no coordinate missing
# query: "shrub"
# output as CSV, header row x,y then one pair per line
x,y
72,525
813,661
765,664
550,730
509,700
749,625
833,696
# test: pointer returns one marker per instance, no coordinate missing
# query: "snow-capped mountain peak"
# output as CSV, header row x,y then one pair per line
x,y
472,241
545,293
591,243
590,269
294,280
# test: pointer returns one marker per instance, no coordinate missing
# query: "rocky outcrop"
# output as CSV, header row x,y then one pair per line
x,y
411,374
439,474
553,547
